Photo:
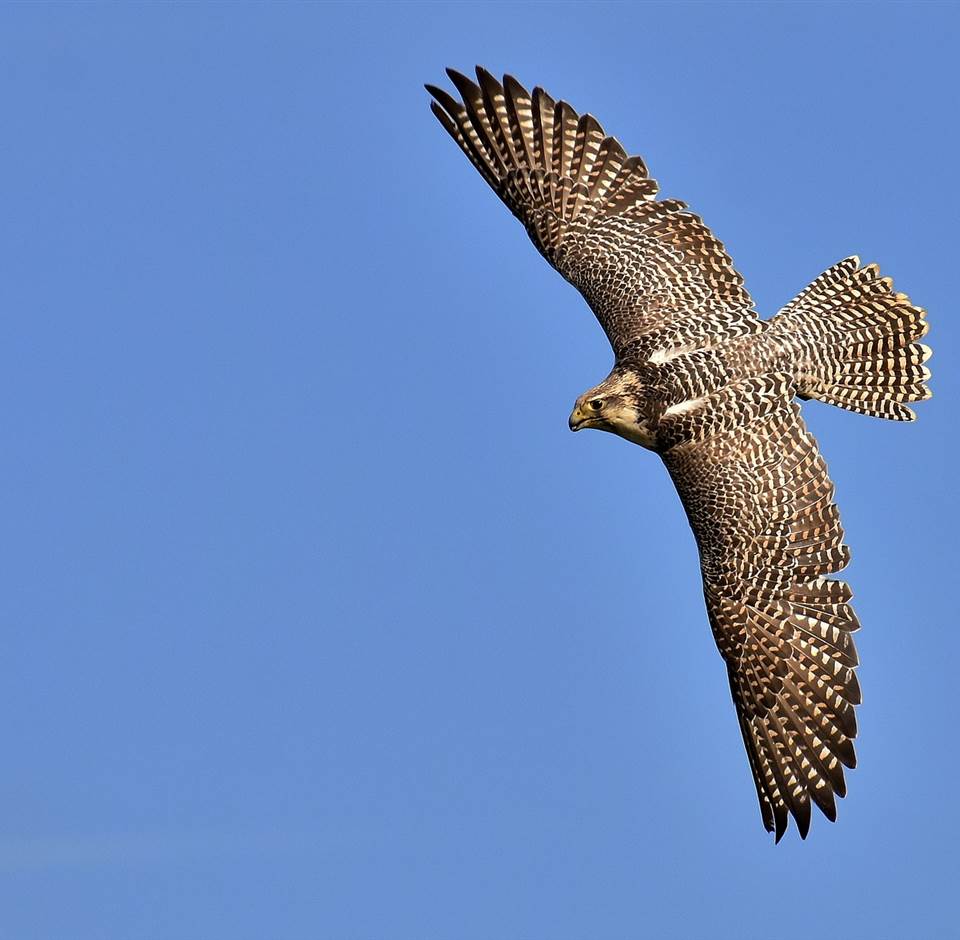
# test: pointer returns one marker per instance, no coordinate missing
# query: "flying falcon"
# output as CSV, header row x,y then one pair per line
x,y
700,380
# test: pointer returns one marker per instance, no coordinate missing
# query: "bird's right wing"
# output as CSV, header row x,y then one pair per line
x,y
760,502
653,273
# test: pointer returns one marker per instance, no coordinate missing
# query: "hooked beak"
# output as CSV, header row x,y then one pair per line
x,y
578,420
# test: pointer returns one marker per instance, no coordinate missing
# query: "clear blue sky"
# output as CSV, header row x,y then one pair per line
x,y
317,622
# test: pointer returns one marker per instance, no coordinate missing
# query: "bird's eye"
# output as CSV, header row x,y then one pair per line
x,y
596,404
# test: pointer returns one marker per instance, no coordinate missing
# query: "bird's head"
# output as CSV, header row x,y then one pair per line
x,y
614,406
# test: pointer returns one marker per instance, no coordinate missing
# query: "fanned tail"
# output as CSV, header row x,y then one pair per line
x,y
854,340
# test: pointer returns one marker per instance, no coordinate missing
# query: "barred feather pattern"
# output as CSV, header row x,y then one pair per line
x,y
644,266
853,341
760,503
701,380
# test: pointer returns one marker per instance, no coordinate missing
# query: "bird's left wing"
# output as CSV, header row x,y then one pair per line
x,y
760,502
653,273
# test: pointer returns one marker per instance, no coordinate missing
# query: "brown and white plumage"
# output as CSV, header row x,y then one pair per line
x,y
701,380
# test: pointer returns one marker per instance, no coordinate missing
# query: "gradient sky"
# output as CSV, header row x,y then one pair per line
x,y
317,621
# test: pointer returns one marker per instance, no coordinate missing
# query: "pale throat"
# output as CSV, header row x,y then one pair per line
x,y
627,427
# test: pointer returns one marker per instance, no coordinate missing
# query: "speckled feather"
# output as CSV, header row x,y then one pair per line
x,y
712,388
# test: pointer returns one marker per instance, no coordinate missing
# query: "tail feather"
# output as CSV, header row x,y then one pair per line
x,y
855,341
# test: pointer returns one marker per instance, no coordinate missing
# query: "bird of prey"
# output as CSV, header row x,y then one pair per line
x,y
700,380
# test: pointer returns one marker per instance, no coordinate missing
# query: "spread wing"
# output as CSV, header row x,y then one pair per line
x,y
653,273
760,502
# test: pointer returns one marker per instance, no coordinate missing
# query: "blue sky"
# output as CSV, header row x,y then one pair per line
x,y
317,621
